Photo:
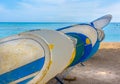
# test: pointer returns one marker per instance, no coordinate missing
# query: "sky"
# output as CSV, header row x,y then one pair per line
x,y
57,10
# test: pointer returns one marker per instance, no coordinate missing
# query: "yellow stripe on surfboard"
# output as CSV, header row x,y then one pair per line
x,y
72,57
51,46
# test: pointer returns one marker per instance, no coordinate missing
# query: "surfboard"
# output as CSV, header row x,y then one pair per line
x,y
97,37
63,52
87,34
79,48
85,51
84,29
99,24
22,57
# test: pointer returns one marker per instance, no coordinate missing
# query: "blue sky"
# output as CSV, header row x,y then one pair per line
x,y
57,10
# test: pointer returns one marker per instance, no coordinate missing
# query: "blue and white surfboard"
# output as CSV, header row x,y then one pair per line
x,y
87,34
22,57
99,24
92,31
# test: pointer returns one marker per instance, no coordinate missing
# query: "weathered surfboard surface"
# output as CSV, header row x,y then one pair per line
x,y
22,57
63,52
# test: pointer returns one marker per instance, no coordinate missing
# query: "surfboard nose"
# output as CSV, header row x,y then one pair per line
x,y
109,16
102,21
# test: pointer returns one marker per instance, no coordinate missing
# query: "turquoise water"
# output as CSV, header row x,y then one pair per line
x,y
112,31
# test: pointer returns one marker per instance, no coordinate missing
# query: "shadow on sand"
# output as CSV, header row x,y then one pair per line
x,y
102,68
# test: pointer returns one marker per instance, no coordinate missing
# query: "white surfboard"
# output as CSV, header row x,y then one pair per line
x,y
83,29
63,52
22,57
102,21
99,24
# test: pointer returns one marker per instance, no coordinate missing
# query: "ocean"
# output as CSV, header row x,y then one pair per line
x,y
112,31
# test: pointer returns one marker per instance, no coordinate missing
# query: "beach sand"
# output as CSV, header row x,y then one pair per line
x,y
102,68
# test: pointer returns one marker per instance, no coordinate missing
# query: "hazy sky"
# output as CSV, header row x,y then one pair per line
x,y
57,10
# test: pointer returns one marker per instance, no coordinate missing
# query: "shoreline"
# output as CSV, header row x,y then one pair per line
x,y
107,45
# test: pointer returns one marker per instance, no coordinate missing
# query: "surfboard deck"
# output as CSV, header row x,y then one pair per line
x,y
22,57
63,52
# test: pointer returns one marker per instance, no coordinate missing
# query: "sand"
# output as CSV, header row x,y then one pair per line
x,y
102,68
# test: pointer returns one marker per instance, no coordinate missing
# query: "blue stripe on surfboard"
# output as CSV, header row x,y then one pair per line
x,y
59,29
88,48
91,24
22,71
84,24
63,28
25,81
94,50
79,47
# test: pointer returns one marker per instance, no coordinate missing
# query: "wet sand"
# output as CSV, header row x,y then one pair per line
x,y
102,68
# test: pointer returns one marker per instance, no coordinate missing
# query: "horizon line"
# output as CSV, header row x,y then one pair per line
x,y
49,22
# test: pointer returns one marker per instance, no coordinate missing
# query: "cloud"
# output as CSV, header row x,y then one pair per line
x,y
111,9
1,8
54,1
47,2
58,10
